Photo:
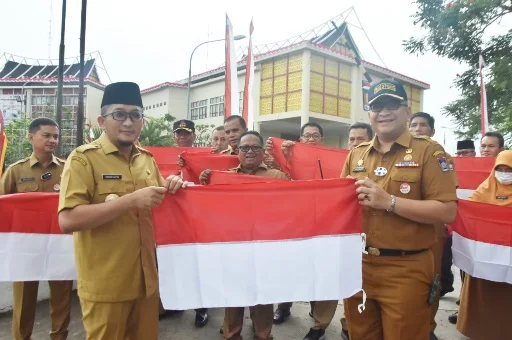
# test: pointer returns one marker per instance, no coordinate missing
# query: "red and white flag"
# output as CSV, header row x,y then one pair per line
x,y
248,110
231,100
471,172
3,142
195,163
216,248
484,118
32,247
482,241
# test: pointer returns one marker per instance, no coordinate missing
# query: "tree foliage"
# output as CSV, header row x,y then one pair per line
x,y
18,146
461,30
157,131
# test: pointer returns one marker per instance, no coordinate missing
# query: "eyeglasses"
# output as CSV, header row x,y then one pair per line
x,y
465,153
122,115
390,105
254,148
309,136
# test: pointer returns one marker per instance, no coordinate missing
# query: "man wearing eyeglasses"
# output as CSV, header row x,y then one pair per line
x,y
404,185
108,189
38,173
251,155
466,148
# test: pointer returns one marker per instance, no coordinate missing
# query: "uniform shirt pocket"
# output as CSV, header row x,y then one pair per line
x,y
107,187
406,183
27,187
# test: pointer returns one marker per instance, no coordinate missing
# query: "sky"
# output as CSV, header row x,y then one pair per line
x,y
150,41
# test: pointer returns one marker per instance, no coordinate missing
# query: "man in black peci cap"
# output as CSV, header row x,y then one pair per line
x,y
184,133
108,189
466,148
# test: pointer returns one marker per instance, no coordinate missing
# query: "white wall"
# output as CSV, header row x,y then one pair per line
x,y
156,103
93,103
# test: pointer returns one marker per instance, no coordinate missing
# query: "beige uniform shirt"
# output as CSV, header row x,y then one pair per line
x,y
115,261
27,175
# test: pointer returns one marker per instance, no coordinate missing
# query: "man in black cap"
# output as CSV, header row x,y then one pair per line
x,y
184,133
466,148
108,189
405,187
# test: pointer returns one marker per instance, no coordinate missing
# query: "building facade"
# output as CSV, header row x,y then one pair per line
x,y
319,80
28,89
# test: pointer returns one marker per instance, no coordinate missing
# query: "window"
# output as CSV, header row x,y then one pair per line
x,y
153,106
217,106
199,109
165,103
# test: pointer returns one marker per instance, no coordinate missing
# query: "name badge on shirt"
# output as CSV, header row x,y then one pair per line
x,y
109,176
27,179
359,169
502,197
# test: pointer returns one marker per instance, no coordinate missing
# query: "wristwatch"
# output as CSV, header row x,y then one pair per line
x,y
393,204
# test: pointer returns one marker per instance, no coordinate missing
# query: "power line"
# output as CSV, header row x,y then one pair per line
x,y
367,37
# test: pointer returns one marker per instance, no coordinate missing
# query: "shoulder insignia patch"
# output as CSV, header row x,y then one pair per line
x,y
19,162
443,163
90,146
144,150
79,159
362,144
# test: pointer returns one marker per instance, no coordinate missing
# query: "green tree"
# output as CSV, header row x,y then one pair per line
x,y
157,132
203,134
18,146
461,30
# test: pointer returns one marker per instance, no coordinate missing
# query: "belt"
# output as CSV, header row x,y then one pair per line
x,y
392,252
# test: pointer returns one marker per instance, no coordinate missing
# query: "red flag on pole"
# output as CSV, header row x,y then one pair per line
x,y
484,118
231,103
248,111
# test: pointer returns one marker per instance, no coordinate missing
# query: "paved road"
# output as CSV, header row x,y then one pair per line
x,y
182,327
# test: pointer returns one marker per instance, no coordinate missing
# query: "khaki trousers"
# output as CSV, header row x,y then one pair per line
x,y
127,320
24,308
261,316
397,291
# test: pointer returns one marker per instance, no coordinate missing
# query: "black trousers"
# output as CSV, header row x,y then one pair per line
x,y
446,266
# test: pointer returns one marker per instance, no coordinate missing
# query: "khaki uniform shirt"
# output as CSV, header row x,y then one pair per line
x,y
428,177
262,170
27,175
229,151
115,261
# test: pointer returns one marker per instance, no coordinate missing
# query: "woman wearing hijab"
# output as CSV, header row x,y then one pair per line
x,y
486,307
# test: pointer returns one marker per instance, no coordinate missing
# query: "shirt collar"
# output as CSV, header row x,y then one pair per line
x,y
404,140
108,147
33,160
262,166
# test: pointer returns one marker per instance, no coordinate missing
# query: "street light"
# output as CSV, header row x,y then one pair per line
x,y
237,37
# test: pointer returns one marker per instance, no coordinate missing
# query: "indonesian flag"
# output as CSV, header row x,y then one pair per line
x,y
217,244
169,155
248,111
482,241
484,118
215,247
32,247
195,163
231,99
310,161
223,177
3,142
471,172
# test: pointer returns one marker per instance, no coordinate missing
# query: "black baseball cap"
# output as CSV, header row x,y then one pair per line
x,y
386,88
184,124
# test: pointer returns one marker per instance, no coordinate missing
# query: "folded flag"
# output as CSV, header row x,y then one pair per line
x,y
482,241
223,177
169,154
32,247
195,163
305,160
217,245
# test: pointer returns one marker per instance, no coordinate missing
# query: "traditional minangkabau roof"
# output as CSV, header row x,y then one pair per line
x,y
29,71
322,38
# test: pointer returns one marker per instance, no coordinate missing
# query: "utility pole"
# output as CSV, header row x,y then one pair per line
x,y
80,114
60,81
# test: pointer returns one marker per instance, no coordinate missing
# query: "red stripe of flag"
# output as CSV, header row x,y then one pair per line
x,y
248,81
258,212
484,222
